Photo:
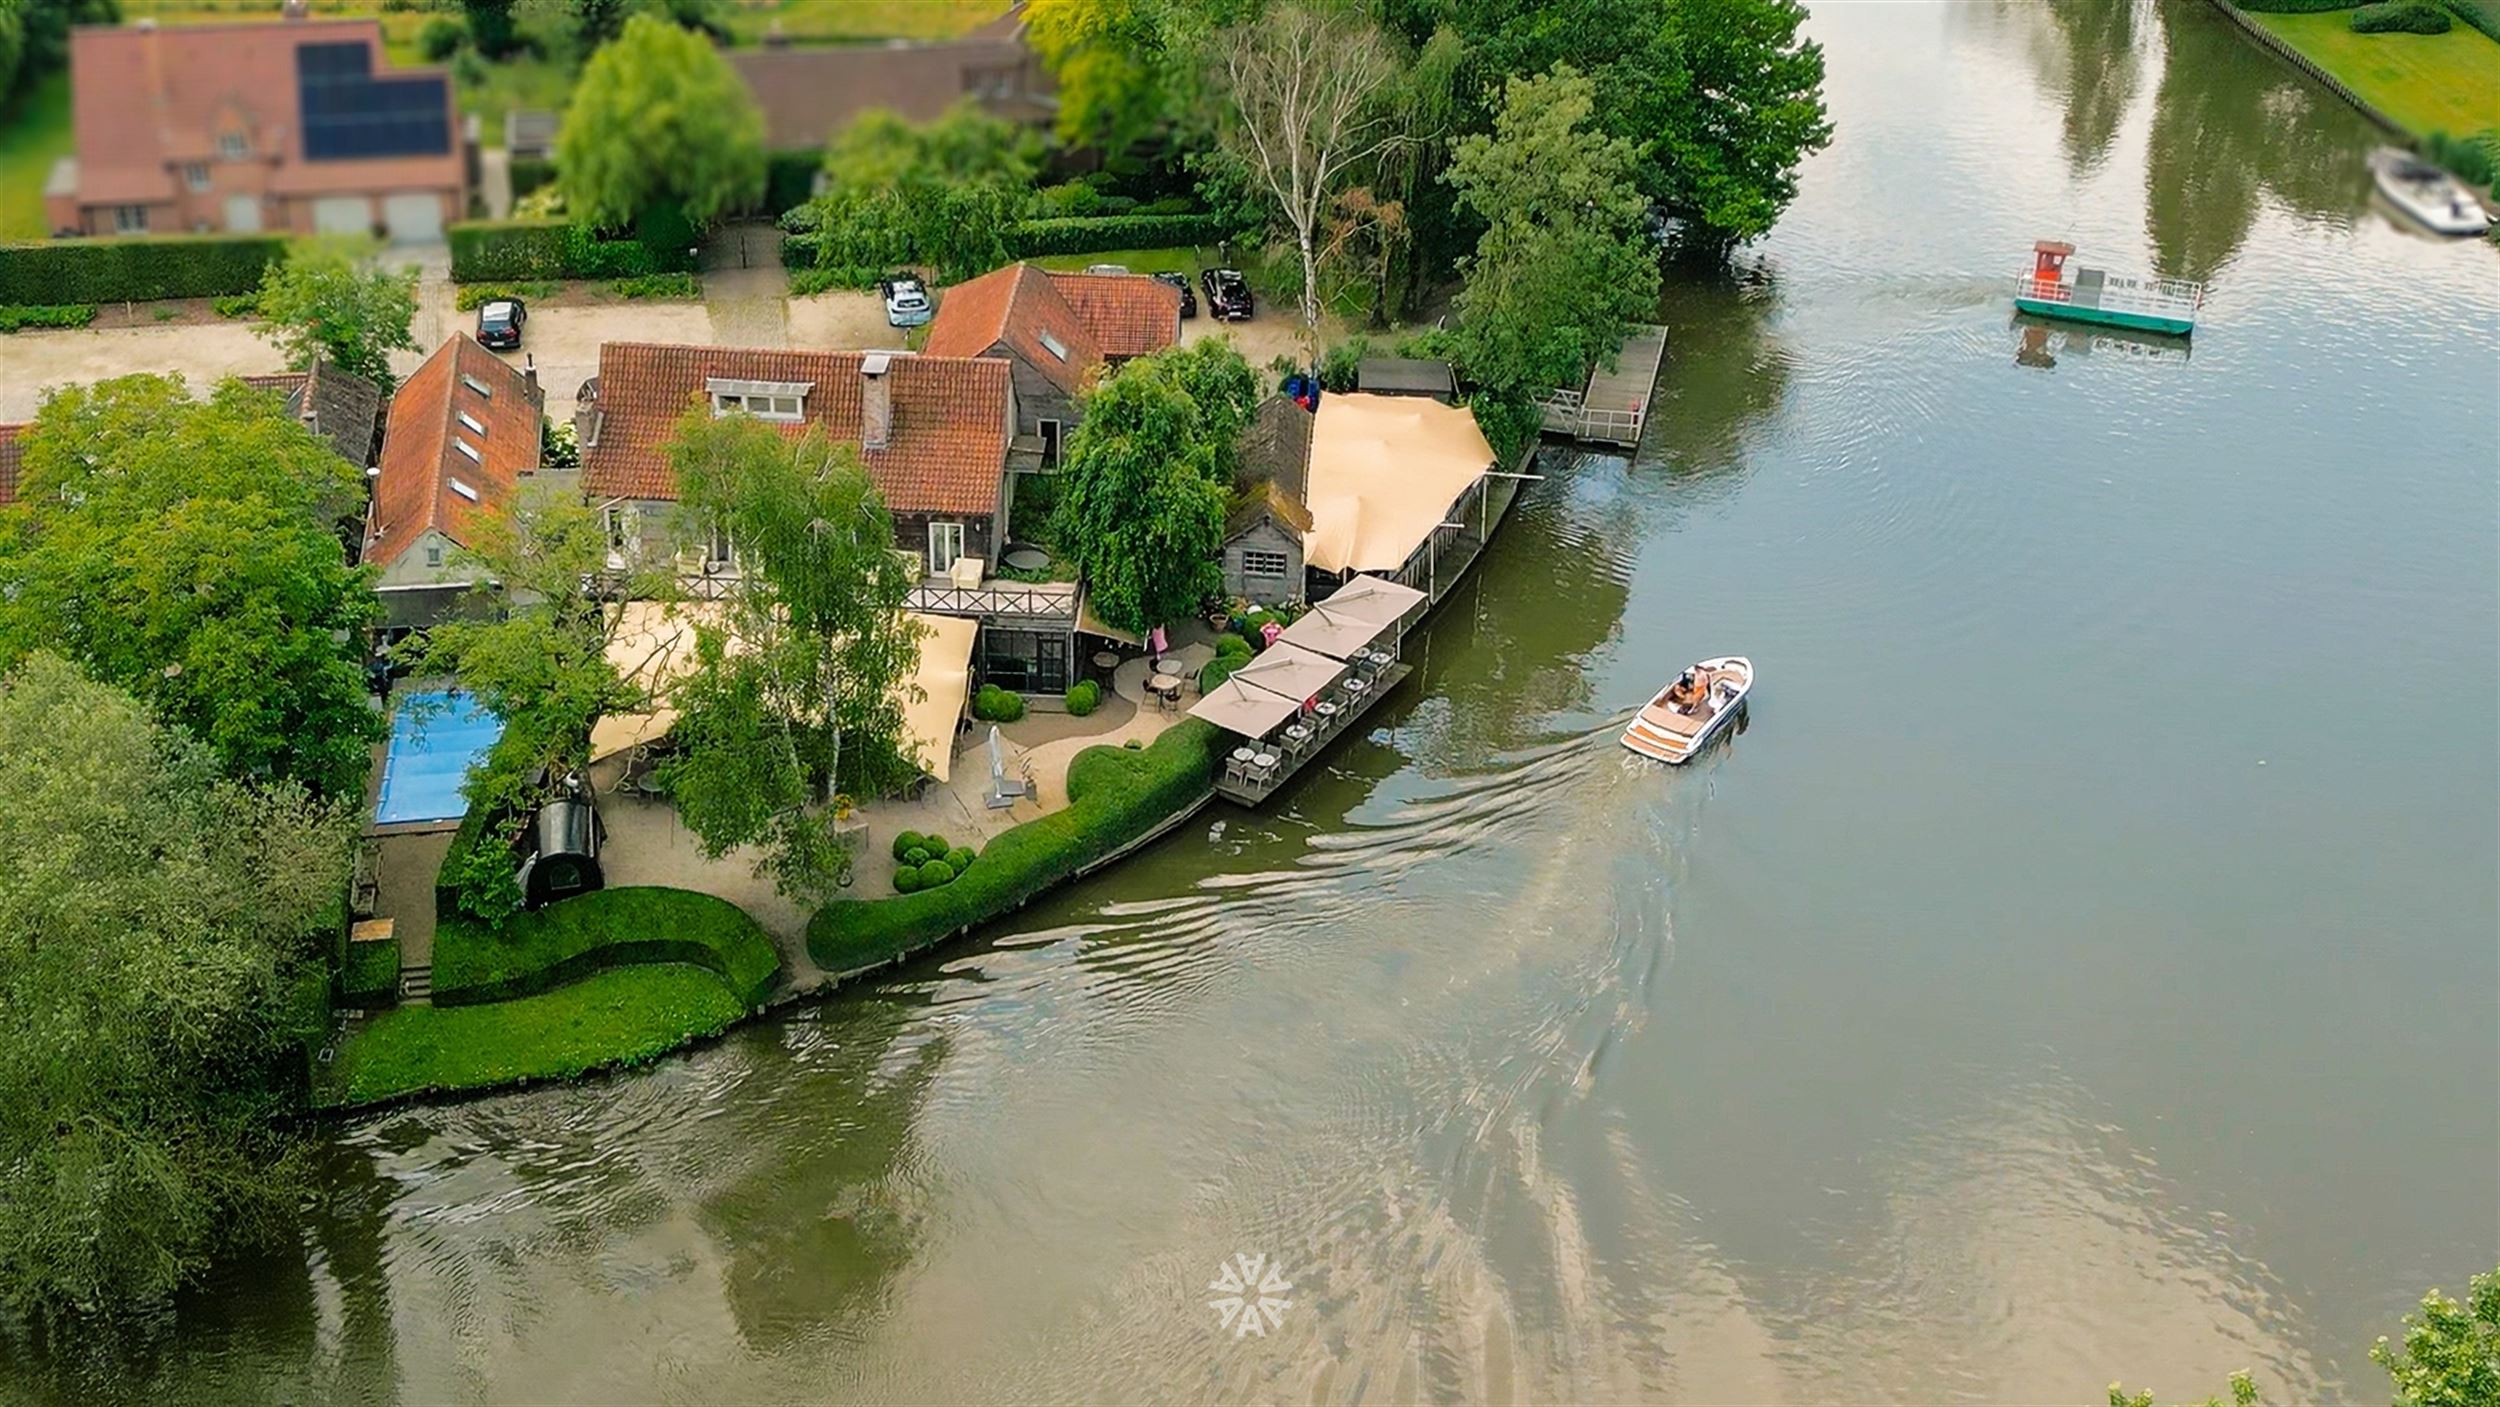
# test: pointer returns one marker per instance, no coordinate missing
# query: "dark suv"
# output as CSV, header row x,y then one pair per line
x,y
499,323
1228,294
1189,300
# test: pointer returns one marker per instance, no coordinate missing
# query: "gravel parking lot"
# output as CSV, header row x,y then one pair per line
x,y
841,322
564,342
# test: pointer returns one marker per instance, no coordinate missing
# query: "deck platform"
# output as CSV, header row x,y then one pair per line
x,y
1249,789
1614,407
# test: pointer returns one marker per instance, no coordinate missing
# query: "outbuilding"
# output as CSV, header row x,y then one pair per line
x,y
566,838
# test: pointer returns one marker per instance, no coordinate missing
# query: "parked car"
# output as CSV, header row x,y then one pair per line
x,y
499,323
906,301
1106,268
1228,294
1189,300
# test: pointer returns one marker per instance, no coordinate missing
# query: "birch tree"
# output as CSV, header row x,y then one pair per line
x,y
1303,90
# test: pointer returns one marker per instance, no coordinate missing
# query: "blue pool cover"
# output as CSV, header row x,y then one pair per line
x,y
434,738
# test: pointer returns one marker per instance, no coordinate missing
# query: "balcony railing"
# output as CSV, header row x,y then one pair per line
x,y
1045,600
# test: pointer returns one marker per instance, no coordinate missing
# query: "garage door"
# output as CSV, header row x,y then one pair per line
x,y
343,214
413,219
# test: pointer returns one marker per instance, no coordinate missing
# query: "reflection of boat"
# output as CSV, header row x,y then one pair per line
x,y
2095,295
2438,201
1691,711
2041,343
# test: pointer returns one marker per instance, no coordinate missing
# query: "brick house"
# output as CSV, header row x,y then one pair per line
x,y
1054,330
297,125
463,434
809,94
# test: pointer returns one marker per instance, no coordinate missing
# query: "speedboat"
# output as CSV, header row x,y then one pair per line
x,y
2436,200
1694,708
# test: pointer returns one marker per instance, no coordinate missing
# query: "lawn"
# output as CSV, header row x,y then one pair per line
x,y
34,132
624,1017
1183,260
820,21
2426,82
608,928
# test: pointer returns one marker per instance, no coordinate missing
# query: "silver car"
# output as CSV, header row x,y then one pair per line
x,y
906,302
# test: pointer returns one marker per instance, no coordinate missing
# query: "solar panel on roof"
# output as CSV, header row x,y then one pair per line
x,y
349,114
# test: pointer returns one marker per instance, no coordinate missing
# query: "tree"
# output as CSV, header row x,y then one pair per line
x,y
156,938
2451,1355
1749,108
188,552
34,35
1562,266
331,298
1302,89
490,26
2243,1394
660,118
798,682
1108,60
1143,494
940,194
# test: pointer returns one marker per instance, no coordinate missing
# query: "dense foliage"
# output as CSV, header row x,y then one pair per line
x,y
2474,160
332,299
189,552
1147,478
2450,1356
549,947
16,316
34,36
660,118
153,916
940,195
135,268
797,680
506,250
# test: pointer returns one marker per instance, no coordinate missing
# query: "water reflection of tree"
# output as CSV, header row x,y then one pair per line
x,y
2233,124
2100,76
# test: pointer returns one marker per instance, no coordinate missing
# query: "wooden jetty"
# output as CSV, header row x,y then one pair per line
x,y
1614,407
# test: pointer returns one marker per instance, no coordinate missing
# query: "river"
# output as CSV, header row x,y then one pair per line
x,y
2082,968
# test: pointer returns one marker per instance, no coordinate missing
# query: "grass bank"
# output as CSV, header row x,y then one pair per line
x,y
34,133
608,928
2424,82
623,1017
1115,796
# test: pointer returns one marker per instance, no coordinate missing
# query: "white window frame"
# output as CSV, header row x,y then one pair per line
x,y
130,219
433,554
476,427
941,537
234,146
1255,560
624,528
784,401
195,175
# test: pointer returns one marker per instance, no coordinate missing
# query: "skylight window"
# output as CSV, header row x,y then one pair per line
x,y
464,490
1054,346
468,449
472,422
476,385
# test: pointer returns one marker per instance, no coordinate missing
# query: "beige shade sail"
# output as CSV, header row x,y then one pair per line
x,y
1384,472
1238,708
944,675
1377,600
1290,670
1335,636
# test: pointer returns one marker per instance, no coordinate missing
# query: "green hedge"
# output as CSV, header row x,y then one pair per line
x,y
2482,14
625,1017
2294,7
135,269
606,928
1218,670
1092,234
2401,17
1115,795
529,173
18,315
484,251
369,973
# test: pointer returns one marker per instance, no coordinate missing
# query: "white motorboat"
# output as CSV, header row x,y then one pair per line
x,y
1692,710
2434,199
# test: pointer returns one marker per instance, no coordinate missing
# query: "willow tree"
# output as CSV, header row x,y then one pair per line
x,y
800,674
660,119
1143,493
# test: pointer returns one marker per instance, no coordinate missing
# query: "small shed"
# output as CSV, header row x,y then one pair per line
x,y
566,839
529,134
1406,376
1264,531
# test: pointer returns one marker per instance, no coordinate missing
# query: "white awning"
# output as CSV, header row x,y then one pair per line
x,y
1333,635
1291,671
1374,599
945,673
1236,707
1385,471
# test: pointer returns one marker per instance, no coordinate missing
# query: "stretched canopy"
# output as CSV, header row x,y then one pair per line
x,y
1236,707
1291,671
1384,472
1377,600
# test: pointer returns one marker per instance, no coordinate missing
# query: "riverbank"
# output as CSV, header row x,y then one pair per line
x,y
2414,83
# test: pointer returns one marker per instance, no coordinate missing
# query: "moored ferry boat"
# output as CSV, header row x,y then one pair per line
x,y
1692,710
2052,290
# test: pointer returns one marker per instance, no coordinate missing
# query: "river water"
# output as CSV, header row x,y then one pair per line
x,y
2082,968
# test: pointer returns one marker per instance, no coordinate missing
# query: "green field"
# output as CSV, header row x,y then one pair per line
x,y
34,132
2426,82
1182,260
621,1017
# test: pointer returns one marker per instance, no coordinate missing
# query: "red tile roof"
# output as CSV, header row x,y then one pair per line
x,y
807,95
10,452
421,456
1128,315
1016,307
946,451
145,99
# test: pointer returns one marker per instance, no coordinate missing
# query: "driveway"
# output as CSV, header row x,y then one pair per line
x,y
841,322
564,342
32,363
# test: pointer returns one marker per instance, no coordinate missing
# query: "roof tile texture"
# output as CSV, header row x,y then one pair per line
x,y
421,456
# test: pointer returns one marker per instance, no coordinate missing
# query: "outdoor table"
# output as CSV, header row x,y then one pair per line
x,y
1106,661
1296,731
1242,754
1264,761
1164,686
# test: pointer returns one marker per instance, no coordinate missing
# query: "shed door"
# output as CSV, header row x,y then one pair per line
x,y
413,219
343,214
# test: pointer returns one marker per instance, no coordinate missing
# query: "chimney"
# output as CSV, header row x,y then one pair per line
x,y
529,370
876,401
296,9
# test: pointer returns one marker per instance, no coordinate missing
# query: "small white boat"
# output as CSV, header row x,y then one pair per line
x,y
1692,710
2436,200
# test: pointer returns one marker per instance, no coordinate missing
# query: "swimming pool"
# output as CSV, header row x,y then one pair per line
x,y
435,736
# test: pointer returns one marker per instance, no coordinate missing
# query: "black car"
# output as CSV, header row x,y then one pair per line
x,y
1189,300
1228,294
499,323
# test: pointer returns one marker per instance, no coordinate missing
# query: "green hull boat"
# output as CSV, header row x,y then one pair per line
x,y
2052,290
2107,317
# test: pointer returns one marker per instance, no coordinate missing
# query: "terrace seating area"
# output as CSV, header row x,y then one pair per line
x,y
1310,687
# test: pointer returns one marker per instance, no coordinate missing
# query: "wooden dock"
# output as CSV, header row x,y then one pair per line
x,y
1614,407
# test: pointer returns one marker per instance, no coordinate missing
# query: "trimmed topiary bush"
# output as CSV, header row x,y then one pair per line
x,y
908,840
2401,17
134,269
935,873
959,859
1084,696
996,705
1218,670
907,878
1092,234
935,844
917,855
1236,645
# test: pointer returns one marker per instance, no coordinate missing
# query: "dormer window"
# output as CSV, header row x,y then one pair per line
x,y
233,146
765,400
471,451
464,490
476,385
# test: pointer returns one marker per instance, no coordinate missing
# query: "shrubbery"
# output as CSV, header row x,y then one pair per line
x,y
473,296
484,251
15,316
541,950
2474,160
134,269
1234,643
1115,795
237,305
659,286
2401,17
996,705
1218,670
1084,696
1092,234
438,39
531,173
369,973
2295,7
